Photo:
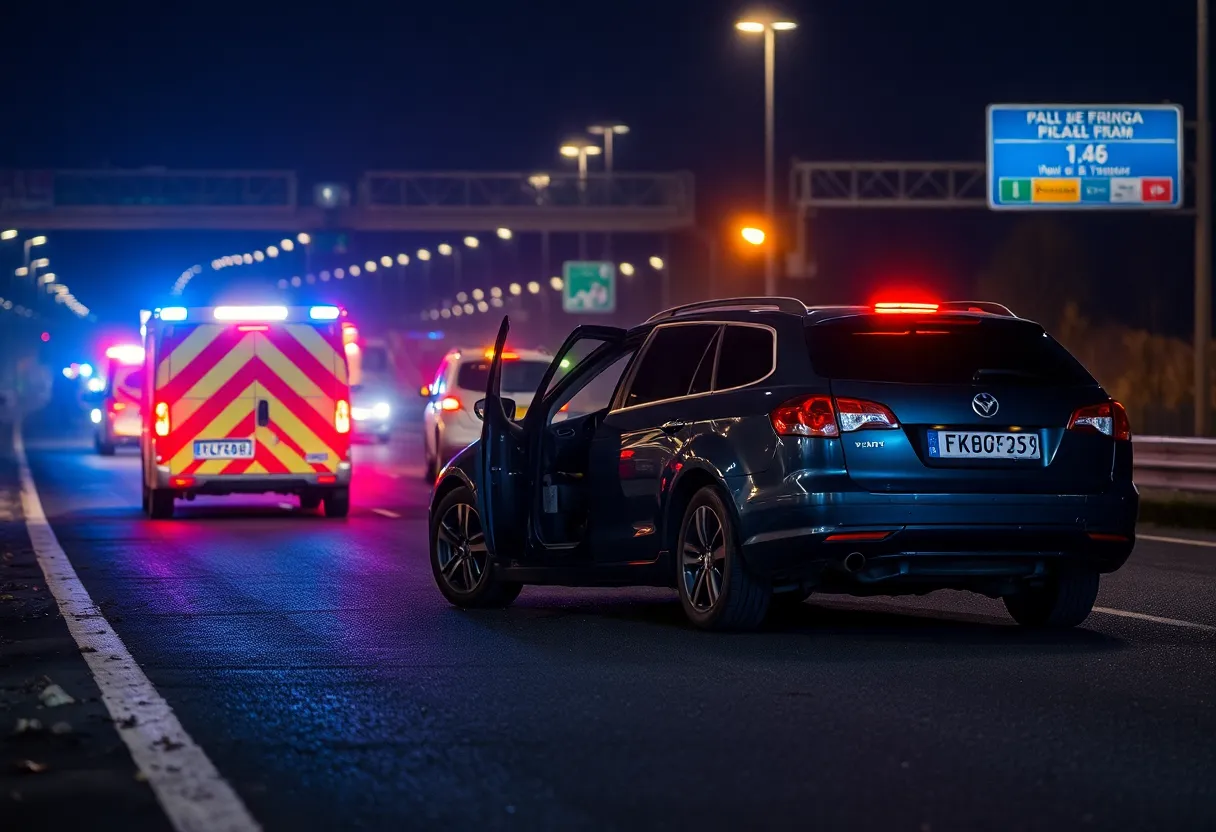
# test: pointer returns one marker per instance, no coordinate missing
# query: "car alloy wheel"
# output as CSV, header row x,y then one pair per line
x,y
461,548
704,558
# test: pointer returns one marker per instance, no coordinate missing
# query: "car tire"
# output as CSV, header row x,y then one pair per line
x,y
337,503
460,560
1064,601
310,502
160,504
716,589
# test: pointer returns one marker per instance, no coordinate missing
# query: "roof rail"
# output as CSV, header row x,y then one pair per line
x,y
791,305
977,306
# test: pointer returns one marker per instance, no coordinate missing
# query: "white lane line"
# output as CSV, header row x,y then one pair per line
x,y
386,513
191,791
1186,541
1156,619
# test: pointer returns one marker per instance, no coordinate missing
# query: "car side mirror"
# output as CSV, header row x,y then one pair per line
x,y
425,392
508,407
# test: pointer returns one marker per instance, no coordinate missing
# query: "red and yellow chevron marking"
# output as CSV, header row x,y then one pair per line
x,y
213,376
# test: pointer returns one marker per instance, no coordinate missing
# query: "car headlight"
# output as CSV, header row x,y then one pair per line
x,y
381,410
95,416
360,413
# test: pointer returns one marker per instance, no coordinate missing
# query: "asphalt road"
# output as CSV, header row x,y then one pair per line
x,y
323,674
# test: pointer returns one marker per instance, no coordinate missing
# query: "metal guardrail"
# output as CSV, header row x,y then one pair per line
x,y
1176,463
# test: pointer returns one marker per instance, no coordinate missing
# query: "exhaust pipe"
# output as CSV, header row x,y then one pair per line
x,y
854,562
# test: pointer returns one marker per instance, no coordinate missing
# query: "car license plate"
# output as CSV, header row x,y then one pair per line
x,y
223,449
950,444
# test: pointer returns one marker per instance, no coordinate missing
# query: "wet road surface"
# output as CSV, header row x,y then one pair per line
x,y
321,671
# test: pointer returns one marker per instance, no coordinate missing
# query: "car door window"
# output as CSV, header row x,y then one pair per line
x,y
746,356
570,360
597,393
703,379
671,360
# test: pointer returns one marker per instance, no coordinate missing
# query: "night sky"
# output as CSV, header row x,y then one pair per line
x,y
356,86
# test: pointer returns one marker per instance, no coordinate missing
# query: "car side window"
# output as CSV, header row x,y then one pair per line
x,y
667,369
703,379
597,393
747,355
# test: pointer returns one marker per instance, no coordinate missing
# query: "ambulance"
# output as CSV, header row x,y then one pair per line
x,y
118,421
246,400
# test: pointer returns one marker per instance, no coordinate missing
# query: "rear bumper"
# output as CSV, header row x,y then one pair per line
x,y
217,484
934,537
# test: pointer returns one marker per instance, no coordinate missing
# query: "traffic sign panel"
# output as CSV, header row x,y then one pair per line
x,y
1068,156
588,286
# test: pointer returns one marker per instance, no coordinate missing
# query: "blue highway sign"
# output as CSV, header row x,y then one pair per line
x,y
1084,156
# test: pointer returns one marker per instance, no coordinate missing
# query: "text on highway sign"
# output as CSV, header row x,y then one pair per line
x,y
1068,156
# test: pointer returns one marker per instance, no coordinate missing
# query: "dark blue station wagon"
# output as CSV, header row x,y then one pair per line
x,y
752,451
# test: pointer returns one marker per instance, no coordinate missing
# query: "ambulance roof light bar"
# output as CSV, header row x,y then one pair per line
x,y
172,313
324,313
126,353
250,313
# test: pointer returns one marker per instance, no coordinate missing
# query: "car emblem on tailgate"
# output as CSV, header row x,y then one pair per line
x,y
985,405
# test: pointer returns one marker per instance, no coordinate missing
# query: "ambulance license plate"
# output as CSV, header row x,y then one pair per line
x,y
223,449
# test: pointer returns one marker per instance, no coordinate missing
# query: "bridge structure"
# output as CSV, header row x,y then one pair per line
x,y
273,200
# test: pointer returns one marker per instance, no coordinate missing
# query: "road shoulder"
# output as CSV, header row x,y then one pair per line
x,y
62,761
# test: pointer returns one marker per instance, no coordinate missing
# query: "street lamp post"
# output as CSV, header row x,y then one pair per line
x,y
769,27
608,130
580,149
1203,225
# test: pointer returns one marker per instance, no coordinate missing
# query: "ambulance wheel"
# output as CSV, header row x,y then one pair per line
x,y
160,504
337,503
310,502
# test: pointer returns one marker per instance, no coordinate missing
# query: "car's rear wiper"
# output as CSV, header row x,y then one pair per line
x,y
989,372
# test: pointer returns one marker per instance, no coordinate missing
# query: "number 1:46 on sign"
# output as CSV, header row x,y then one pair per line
x,y
1093,153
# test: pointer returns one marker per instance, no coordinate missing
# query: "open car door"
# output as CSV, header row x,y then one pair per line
x,y
507,446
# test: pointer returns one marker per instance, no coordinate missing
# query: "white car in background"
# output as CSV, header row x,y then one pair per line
x,y
449,423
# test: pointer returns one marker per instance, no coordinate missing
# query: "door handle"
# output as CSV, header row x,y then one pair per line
x,y
673,426
564,432
263,413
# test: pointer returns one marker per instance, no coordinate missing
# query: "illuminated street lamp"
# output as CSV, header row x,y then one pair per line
x,y
608,130
627,269
769,26
472,242
8,234
504,233
445,249
657,263
579,148
754,236
424,255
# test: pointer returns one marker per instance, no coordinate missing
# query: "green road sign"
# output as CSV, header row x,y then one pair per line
x,y
589,286
1015,190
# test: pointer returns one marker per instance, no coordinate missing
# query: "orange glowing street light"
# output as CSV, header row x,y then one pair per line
x,y
752,235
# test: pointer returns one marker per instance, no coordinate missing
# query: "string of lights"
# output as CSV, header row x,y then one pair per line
x,y
46,282
467,303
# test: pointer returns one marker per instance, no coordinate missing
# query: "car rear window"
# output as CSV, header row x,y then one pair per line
x,y
518,376
375,360
937,351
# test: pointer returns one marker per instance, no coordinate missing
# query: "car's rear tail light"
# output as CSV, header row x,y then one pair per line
x,y
160,419
117,406
805,416
326,479
1108,418
449,403
182,481
342,416
858,414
